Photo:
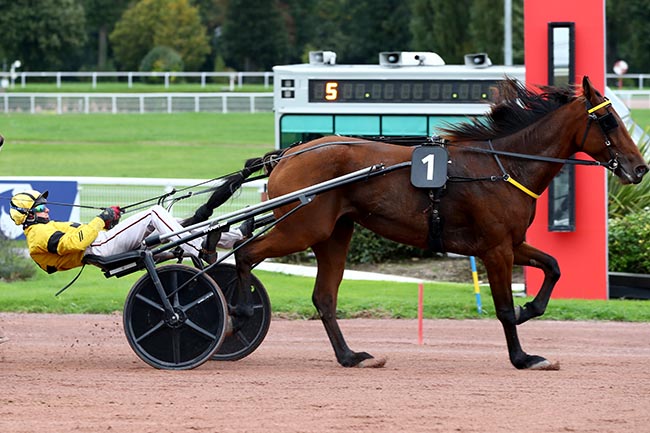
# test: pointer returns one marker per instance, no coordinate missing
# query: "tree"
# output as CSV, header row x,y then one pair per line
x,y
441,27
375,27
328,20
101,16
628,34
301,21
486,28
150,23
424,12
254,35
212,12
44,35
518,32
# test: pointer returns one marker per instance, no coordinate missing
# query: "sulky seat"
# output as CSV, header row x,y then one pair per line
x,y
117,265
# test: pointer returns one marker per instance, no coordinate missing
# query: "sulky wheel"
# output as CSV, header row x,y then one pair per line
x,y
188,337
251,323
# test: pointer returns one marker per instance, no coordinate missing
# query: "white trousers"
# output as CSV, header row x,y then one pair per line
x,y
129,234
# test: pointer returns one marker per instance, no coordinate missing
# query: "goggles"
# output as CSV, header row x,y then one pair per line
x,y
39,208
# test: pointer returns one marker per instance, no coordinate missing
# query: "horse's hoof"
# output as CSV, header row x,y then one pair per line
x,y
545,365
372,363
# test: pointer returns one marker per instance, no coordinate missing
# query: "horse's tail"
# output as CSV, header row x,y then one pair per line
x,y
223,192
271,159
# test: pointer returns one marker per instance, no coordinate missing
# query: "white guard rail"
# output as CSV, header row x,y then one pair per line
x,y
233,78
62,103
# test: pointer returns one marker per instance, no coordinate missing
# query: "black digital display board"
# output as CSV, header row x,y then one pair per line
x,y
402,91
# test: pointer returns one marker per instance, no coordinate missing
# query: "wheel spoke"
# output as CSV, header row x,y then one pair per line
x,y
200,330
242,338
172,285
176,346
196,302
156,327
150,302
229,287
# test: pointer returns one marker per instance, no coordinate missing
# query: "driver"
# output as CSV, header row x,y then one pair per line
x,y
59,246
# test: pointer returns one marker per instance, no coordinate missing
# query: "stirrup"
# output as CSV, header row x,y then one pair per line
x,y
175,254
207,256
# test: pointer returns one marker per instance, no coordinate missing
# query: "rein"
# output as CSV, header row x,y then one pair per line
x,y
573,161
606,123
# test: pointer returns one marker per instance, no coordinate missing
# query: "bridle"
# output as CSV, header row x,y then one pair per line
x,y
607,122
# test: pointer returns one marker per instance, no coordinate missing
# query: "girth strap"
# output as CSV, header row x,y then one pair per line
x,y
434,234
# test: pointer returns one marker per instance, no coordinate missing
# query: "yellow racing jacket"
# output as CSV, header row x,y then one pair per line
x,y
59,246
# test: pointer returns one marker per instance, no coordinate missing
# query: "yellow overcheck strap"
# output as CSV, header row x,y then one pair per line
x,y
521,187
599,106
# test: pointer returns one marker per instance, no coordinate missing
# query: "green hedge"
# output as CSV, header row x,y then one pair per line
x,y
13,264
629,250
367,247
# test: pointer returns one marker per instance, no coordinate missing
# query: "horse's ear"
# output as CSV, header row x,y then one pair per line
x,y
587,88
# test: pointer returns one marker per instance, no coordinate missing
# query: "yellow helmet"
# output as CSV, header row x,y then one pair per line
x,y
23,202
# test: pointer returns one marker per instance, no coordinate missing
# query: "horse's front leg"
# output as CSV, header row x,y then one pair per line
x,y
527,255
331,255
498,263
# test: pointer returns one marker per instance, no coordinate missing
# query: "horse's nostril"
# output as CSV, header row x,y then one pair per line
x,y
641,170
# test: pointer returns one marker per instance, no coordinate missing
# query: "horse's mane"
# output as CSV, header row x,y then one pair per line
x,y
516,107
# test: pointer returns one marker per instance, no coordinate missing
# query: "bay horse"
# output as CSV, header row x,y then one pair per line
x,y
527,136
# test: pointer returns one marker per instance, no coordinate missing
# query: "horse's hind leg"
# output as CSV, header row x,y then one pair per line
x,y
527,255
331,255
498,263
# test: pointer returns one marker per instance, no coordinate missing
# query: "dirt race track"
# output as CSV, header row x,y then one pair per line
x,y
76,373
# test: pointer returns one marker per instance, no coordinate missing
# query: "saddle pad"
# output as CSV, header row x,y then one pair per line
x,y
429,167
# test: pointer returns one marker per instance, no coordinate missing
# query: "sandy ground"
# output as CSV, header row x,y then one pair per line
x,y
76,373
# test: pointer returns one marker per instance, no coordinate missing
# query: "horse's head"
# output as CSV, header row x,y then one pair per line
x,y
606,138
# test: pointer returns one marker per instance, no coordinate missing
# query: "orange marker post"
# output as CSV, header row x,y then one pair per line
x,y
420,312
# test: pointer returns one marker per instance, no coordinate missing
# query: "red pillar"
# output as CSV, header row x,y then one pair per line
x,y
582,254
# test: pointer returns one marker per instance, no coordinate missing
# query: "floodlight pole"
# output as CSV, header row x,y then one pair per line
x,y
507,31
